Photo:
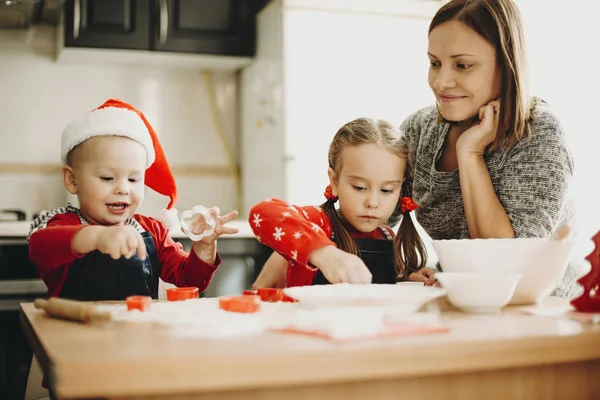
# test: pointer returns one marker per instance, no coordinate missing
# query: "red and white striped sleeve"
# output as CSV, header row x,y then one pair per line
x,y
292,231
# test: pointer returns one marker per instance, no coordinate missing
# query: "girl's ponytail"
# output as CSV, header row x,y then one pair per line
x,y
410,252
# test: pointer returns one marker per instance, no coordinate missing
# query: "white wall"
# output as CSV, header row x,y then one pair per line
x,y
341,66
562,47
38,97
262,113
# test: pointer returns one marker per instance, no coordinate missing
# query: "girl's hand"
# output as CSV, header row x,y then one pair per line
x,y
199,225
475,139
273,274
425,275
340,267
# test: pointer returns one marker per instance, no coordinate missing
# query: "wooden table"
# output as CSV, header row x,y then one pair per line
x,y
506,356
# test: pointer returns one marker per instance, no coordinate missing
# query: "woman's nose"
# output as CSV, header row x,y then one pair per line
x,y
444,79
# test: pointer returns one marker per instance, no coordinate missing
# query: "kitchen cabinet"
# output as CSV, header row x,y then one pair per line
x,y
217,27
206,26
114,24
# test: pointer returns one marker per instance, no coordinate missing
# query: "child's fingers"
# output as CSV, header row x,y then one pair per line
x,y
115,252
229,217
431,280
417,277
359,273
141,247
119,249
426,272
226,230
122,246
214,211
340,276
200,219
365,277
198,226
132,244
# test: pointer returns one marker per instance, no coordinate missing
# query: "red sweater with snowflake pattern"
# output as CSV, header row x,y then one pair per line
x,y
295,232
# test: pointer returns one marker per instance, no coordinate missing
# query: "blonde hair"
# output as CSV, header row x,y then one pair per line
x,y
410,253
499,23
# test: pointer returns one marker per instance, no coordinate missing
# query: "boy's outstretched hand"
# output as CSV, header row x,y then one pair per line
x,y
200,225
206,248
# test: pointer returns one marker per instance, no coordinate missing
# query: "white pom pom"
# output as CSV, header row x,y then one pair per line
x,y
168,218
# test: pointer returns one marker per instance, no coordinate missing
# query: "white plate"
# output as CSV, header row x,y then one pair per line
x,y
408,298
410,283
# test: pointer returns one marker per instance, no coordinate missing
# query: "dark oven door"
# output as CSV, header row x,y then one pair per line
x,y
19,283
19,280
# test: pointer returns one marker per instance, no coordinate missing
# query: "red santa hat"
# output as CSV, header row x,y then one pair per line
x,y
117,118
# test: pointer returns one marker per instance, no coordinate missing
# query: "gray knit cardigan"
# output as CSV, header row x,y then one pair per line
x,y
531,181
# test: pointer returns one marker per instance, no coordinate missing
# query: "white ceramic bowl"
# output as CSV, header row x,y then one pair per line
x,y
542,262
400,297
479,292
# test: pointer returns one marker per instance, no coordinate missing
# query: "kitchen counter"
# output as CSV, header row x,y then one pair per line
x,y
17,231
510,355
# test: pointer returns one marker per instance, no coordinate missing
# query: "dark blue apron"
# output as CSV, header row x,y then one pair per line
x,y
96,276
378,256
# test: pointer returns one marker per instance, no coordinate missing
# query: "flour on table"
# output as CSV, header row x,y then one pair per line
x,y
203,318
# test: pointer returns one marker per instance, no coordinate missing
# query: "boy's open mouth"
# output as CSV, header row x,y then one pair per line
x,y
118,206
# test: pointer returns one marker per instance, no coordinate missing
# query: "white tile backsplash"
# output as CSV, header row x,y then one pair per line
x,y
38,97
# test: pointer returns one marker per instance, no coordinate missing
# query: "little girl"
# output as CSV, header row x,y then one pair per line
x,y
350,244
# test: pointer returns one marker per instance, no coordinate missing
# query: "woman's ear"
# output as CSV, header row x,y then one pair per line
x,y
68,177
333,181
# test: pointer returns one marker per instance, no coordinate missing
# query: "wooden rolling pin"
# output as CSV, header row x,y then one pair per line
x,y
72,310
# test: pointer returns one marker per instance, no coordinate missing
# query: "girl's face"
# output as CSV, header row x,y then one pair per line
x,y
463,73
367,185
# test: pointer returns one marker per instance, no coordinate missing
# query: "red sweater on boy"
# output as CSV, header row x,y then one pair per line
x,y
50,250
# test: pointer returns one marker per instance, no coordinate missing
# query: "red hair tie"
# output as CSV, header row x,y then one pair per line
x,y
329,194
408,204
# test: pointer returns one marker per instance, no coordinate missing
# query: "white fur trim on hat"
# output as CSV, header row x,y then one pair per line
x,y
108,121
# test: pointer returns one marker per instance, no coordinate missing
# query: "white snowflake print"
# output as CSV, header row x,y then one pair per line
x,y
315,227
278,233
305,214
321,219
270,199
287,214
294,254
297,235
259,239
293,208
319,209
257,220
